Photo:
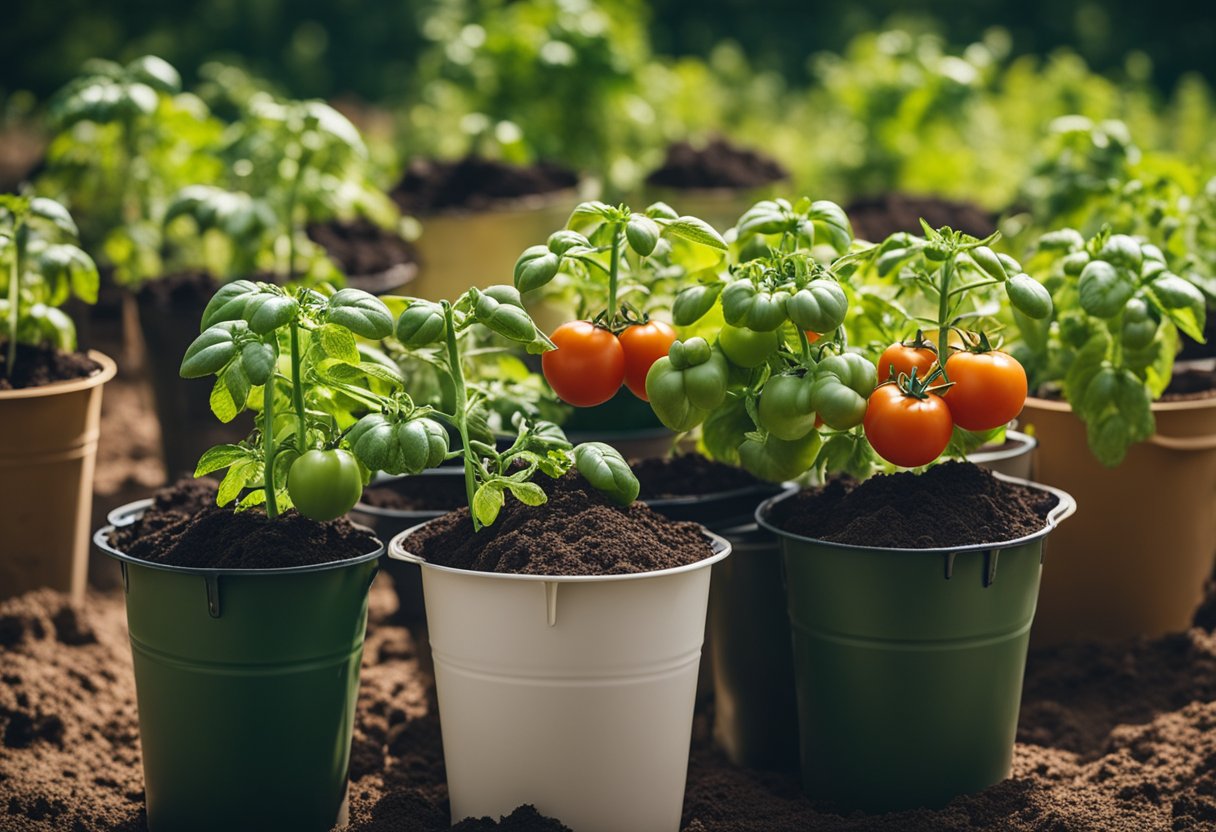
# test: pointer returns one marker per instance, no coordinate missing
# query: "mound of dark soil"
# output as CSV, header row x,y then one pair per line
x,y
360,247
475,184
434,492
875,218
688,475
39,366
718,164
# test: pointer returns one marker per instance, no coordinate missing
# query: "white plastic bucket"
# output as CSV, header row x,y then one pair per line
x,y
572,693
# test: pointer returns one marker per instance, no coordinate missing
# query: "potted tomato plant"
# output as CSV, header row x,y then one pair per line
x,y
1107,421
911,595
50,400
246,694
553,606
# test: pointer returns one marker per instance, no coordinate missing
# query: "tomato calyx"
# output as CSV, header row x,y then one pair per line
x,y
621,319
913,386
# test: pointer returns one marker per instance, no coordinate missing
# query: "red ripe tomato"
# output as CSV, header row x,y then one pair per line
x,y
989,389
587,367
811,337
905,359
905,430
644,344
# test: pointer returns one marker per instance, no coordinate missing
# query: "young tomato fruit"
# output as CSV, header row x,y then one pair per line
x,y
905,430
905,359
643,345
745,348
588,366
324,485
989,389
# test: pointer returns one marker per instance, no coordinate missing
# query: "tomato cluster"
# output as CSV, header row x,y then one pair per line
x,y
909,422
591,363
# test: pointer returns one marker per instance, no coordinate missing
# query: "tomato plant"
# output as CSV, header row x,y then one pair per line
x,y
588,365
905,428
324,485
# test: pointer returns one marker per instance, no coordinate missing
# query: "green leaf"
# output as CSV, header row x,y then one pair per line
x,y
338,342
361,313
266,312
1085,366
234,481
253,498
351,373
603,466
211,351
528,493
1104,289
258,360
695,231
1181,302
230,392
1119,414
228,303
487,502
220,456
56,214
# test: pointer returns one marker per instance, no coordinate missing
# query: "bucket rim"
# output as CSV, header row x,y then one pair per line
x,y
1025,444
405,514
125,515
1061,406
74,385
720,545
1063,509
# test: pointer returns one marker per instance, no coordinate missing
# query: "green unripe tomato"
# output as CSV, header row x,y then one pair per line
x,y
785,407
777,460
745,348
1139,328
843,384
820,307
1104,289
1029,297
324,485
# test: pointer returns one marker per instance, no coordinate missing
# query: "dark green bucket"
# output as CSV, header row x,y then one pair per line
x,y
908,663
246,682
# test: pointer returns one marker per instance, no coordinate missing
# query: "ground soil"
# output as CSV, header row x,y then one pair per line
x,y
39,366
717,164
952,504
436,492
475,184
1187,385
361,247
687,475
577,532
877,217
184,527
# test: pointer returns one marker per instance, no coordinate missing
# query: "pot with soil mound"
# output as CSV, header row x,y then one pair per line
x,y
1014,457
246,693
716,182
51,413
566,641
910,602
1134,561
477,215
373,258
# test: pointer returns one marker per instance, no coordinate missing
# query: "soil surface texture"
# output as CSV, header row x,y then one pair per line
x,y
577,532
718,164
952,504
688,475
1118,738
1186,385
475,184
39,366
434,492
875,218
184,527
361,247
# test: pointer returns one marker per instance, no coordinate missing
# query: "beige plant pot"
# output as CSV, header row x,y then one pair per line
x,y
1134,560
48,448
459,250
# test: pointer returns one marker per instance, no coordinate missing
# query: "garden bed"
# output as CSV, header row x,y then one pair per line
x,y
1118,737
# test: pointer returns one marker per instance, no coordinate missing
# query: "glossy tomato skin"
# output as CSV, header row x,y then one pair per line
x,y
324,485
905,359
588,366
746,348
989,389
643,345
907,431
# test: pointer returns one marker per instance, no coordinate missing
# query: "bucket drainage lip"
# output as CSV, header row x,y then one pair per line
x,y
1063,509
129,513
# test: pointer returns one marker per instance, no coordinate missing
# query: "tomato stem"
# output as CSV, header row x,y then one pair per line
x,y
268,448
614,269
297,389
806,348
943,312
460,410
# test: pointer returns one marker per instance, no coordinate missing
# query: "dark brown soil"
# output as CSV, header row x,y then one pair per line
x,y
184,527
475,184
1187,385
875,218
952,504
1192,349
39,366
360,247
578,532
718,164
687,475
424,493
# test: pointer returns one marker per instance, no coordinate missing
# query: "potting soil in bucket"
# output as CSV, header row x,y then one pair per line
x,y
246,635
911,599
566,641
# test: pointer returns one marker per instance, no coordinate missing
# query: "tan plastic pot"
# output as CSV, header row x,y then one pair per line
x,y
459,250
48,449
1013,459
571,693
1134,559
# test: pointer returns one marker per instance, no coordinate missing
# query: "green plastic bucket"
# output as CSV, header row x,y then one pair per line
x,y
909,662
246,682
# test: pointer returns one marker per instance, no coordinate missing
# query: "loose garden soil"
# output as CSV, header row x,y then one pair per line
x,y
435,492
688,475
1188,385
878,217
577,532
361,247
39,366
953,504
718,164
475,184
184,527
1119,738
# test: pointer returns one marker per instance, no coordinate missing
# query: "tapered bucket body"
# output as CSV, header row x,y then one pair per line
x,y
1134,560
458,250
48,451
1015,458
246,683
574,694
908,664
